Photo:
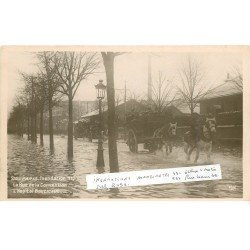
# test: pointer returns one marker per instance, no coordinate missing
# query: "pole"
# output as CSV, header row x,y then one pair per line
x,y
100,160
125,102
149,79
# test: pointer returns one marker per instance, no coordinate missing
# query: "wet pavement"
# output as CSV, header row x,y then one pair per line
x,y
31,161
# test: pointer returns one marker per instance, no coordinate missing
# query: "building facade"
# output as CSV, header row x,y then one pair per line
x,y
225,102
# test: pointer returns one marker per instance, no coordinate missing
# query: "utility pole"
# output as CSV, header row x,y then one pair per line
x,y
149,79
125,101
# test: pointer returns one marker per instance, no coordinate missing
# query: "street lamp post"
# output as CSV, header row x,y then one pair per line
x,y
100,90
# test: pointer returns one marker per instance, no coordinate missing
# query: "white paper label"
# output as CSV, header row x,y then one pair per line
x,y
152,177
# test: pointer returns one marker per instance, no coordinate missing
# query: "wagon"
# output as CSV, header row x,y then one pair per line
x,y
86,129
142,130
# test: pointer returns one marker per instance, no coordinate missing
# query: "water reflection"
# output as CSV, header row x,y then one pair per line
x,y
31,160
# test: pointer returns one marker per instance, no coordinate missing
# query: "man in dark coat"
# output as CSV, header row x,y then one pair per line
x,y
195,127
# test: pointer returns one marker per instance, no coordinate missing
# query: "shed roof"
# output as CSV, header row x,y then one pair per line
x,y
94,112
182,106
228,88
105,108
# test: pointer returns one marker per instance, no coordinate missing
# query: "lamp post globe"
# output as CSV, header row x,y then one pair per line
x,y
100,90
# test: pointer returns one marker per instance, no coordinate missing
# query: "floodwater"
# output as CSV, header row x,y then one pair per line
x,y
27,160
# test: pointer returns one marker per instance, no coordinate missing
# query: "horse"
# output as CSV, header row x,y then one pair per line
x,y
168,135
204,140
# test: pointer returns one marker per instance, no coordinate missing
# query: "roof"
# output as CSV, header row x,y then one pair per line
x,y
173,110
94,112
105,108
228,88
182,106
83,119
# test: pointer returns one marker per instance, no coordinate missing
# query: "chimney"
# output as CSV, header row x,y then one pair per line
x,y
228,78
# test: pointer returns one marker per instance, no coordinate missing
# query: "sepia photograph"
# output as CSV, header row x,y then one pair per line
x,y
78,112
124,125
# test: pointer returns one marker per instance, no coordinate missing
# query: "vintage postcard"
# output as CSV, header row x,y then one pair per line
x,y
125,122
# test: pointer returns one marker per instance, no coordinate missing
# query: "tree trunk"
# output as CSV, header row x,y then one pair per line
x,y
35,127
70,127
28,128
192,107
32,115
32,128
22,128
51,136
108,59
41,127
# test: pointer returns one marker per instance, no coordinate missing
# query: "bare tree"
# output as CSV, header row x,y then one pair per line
x,y
41,99
72,68
30,92
163,94
118,100
17,117
51,83
23,99
192,88
108,61
237,78
134,96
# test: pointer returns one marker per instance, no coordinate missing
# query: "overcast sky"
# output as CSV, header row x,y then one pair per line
x,y
132,69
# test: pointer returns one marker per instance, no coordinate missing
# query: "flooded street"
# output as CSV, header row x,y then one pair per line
x,y
29,160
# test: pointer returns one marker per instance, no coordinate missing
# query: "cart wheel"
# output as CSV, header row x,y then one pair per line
x,y
132,141
152,147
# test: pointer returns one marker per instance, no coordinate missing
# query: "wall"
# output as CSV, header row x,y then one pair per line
x,y
227,104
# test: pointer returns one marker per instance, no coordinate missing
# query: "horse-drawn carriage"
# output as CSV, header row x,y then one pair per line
x,y
150,129
86,129
194,131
